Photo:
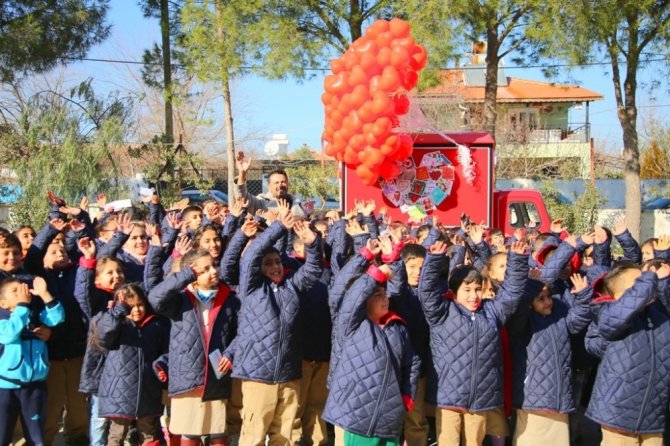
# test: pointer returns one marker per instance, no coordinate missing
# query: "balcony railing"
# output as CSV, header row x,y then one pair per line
x,y
576,132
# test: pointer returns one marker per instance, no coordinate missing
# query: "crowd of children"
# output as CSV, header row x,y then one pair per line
x,y
203,324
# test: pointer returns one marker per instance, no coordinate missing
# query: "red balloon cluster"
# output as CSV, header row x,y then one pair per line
x,y
365,95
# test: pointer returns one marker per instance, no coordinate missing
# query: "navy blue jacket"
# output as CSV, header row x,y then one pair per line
x,y
466,345
542,353
633,380
128,385
267,347
377,367
133,268
189,351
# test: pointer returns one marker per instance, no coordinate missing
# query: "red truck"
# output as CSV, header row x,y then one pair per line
x,y
433,179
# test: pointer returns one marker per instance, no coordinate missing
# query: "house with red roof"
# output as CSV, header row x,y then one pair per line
x,y
542,129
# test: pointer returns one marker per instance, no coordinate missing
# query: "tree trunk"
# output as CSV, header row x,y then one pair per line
x,y
167,69
491,88
227,102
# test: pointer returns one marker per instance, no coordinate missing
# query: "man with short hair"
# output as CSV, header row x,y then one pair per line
x,y
277,188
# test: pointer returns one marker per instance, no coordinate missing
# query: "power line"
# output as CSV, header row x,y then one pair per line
x,y
323,69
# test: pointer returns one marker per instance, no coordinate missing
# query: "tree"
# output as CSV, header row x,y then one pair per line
x,y
37,34
578,216
62,141
624,33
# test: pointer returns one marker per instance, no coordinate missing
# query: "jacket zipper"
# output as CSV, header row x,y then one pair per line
x,y
650,335
384,391
475,355
559,380
140,361
280,346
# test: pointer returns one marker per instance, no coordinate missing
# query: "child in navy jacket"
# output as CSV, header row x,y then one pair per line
x,y
267,353
465,341
631,393
129,389
374,383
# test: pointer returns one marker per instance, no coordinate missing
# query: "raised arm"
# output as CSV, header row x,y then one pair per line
x,y
435,306
310,272
616,316
513,288
164,297
631,249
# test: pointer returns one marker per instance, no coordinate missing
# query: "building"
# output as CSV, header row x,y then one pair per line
x,y
535,131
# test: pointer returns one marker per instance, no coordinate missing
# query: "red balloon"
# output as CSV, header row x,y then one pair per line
x,y
350,59
350,157
419,58
382,127
377,28
384,57
326,98
404,149
330,150
401,102
407,43
337,65
390,80
357,76
374,84
336,84
389,170
365,112
408,79
399,27
366,175
369,65
384,39
359,96
357,142
365,45
371,157
399,57
380,102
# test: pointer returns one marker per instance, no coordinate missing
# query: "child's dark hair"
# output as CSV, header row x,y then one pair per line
x,y
422,230
540,240
201,231
22,227
653,263
131,290
495,231
4,283
102,261
189,209
356,276
194,254
412,251
9,241
270,250
463,274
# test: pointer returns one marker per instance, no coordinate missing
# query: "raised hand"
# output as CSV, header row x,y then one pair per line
x,y
283,208
557,226
306,235
600,234
124,223
40,289
242,162
58,224
368,207
55,200
354,228
372,245
663,271
250,228
385,244
438,248
620,227
152,233
662,244
86,247
286,219
535,274
76,225
571,240
239,206
518,247
101,200
579,283
174,221
183,244
476,233
589,237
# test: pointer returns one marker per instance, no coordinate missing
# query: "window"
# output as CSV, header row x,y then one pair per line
x,y
522,214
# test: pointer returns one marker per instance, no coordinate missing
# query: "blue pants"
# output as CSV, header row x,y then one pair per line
x,y
99,427
30,403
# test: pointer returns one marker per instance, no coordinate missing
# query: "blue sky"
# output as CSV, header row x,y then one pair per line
x,y
295,108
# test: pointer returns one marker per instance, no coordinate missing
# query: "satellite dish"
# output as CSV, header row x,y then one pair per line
x,y
271,148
